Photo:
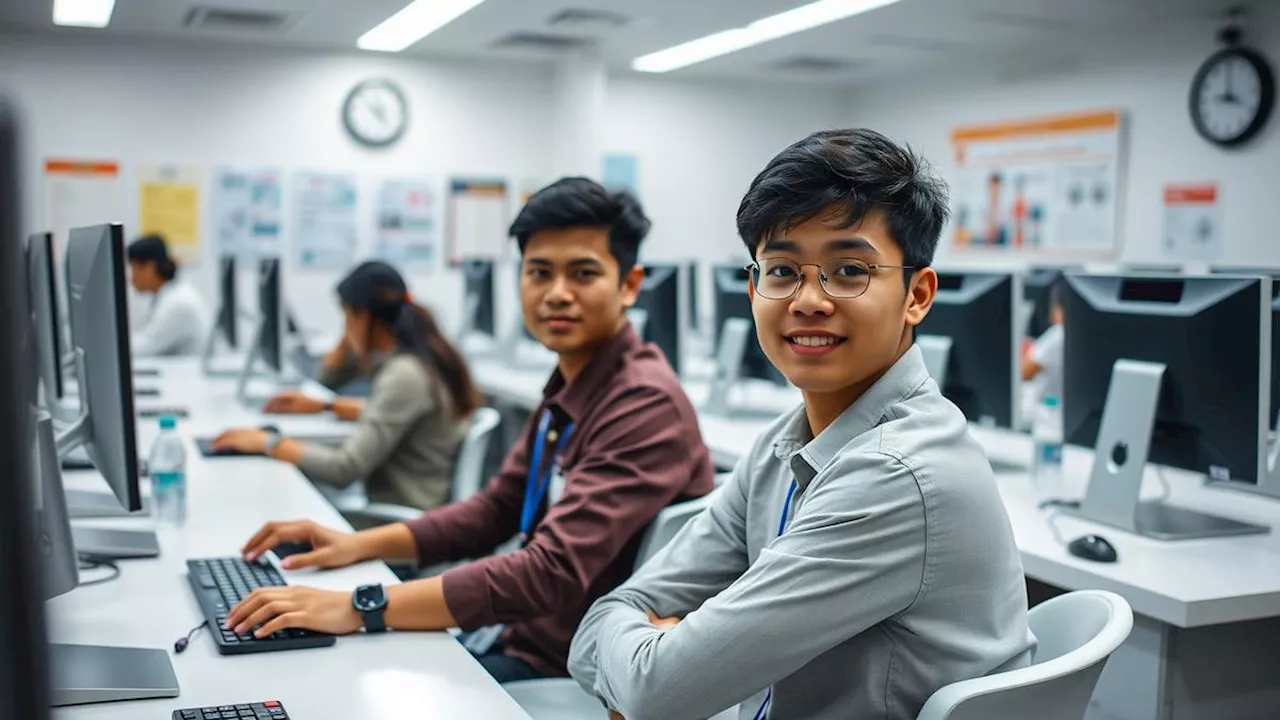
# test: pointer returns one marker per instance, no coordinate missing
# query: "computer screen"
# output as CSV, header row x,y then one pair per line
x,y
660,299
22,627
977,312
42,294
1206,333
100,339
693,270
478,296
269,314
732,302
1274,274
228,304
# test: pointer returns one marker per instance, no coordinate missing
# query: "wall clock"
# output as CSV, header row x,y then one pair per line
x,y
375,113
1232,96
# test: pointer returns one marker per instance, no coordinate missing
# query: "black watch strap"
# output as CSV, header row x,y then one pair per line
x,y
374,621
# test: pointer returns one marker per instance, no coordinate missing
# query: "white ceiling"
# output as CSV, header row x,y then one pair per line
x,y
911,36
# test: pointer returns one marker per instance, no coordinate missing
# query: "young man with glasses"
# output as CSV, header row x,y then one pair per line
x,y
860,558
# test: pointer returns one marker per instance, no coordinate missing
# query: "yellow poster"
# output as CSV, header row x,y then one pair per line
x,y
169,205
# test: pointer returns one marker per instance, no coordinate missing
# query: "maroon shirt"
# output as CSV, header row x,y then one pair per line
x,y
635,449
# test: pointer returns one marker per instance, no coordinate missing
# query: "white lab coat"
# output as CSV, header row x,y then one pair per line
x,y
175,325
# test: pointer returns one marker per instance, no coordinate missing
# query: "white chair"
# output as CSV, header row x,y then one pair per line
x,y
468,475
1077,632
561,698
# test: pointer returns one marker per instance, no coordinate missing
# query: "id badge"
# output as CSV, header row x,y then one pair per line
x,y
556,490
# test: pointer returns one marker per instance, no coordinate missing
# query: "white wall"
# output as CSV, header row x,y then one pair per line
x,y
1162,144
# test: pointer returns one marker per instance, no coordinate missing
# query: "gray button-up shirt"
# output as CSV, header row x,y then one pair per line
x,y
896,574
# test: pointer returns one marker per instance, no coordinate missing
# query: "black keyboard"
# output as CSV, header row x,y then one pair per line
x,y
205,446
269,710
221,583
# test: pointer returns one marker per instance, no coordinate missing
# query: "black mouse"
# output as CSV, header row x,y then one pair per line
x,y
1093,547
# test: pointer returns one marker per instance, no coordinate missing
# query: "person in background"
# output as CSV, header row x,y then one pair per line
x,y
176,323
1043,362
409,429
614,441
860,558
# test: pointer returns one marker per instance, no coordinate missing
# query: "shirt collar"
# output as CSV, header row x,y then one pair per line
x,y
809,455
574,398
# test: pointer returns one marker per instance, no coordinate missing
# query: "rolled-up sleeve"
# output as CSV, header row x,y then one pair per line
x,y
845,564
633,463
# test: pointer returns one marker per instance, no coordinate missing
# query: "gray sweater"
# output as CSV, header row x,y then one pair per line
x,y
404,444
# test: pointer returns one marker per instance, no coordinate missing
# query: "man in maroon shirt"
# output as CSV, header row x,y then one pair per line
x,y
614,441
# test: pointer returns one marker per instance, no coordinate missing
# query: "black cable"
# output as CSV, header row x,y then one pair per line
x,y
1053,526
94,562
181,643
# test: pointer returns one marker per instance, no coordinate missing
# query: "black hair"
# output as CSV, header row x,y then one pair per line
x,y
378,289
579,202
850,173
153,249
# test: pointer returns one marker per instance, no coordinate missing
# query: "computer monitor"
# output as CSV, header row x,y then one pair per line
x,y
660,301
100,343
692,286
270,338
478,302
970,340
228,304
732,302
1168,369
1273,273
42,295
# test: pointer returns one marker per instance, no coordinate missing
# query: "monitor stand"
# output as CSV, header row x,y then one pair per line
x,y
94,504
936,352
83,674
249,371
1124,443
734,335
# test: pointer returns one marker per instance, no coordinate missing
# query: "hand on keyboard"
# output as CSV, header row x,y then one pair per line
x,y
329,548
221,584
281,608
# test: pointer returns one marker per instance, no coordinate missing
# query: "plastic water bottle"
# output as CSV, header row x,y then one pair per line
x,y
168,468
1046,437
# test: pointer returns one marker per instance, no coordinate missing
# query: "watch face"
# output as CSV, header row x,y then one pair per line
x,y
369,597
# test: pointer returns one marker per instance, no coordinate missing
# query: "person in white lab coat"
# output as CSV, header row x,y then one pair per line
x,y
176,324
1043,363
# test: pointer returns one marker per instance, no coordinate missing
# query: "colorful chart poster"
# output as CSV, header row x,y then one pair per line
x,y
169,205
247,209
324,220
478,218
408,223
1047,186
1192,221
80,192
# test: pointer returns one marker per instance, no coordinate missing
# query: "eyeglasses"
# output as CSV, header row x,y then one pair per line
x,y
842,278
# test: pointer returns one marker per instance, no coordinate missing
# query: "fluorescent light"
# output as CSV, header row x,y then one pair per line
x,y
83,13
773,27
417,20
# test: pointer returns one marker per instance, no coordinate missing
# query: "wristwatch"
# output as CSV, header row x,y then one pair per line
x,y
273,439
371,602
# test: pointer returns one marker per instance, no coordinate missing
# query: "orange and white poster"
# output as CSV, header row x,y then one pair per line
x,y
80,192
1044,186
1192,221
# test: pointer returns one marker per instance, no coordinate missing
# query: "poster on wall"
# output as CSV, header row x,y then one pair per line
x,y
247,213
408,232
324,220
478,218
169,205
80,192
1046,186
620,173
1192,221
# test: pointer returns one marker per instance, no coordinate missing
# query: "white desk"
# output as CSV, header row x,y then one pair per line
x,y
389,677
1206,639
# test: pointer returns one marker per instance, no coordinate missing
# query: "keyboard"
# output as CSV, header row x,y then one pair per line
x,y
269,710
221,583
205,446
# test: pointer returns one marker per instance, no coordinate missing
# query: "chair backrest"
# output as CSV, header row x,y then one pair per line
x,y
667,524
1075,634
468,468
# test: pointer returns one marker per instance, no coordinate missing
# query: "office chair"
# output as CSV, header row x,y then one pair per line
x,y
468,476
1077,632
561,698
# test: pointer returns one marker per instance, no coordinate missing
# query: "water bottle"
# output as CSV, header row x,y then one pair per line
x,y
1046,437
168,468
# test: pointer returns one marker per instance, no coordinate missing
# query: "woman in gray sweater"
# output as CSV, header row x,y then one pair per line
x,y
419,405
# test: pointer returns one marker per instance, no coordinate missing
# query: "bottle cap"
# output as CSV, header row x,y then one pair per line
x,y
168,422
1051,401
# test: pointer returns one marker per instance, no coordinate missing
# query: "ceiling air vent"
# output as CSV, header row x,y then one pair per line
x,y
541,42
223,19
587,21
813,64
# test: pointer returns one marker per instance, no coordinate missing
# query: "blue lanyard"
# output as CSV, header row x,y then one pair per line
x,y
535,489
763,712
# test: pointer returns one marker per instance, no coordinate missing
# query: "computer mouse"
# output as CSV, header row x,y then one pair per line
x,y
1093,547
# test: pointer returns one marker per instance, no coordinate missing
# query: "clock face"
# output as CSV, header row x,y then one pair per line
x,y
375,113
1232,96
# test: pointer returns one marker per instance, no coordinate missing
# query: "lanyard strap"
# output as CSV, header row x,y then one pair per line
x,y
763,712
535,489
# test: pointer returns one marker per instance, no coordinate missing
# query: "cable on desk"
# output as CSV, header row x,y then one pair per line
x,y
1053,526
95,562
1164,484
181,643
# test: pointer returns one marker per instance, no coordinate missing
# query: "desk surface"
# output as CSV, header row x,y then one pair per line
x,y
391,677
1186,583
